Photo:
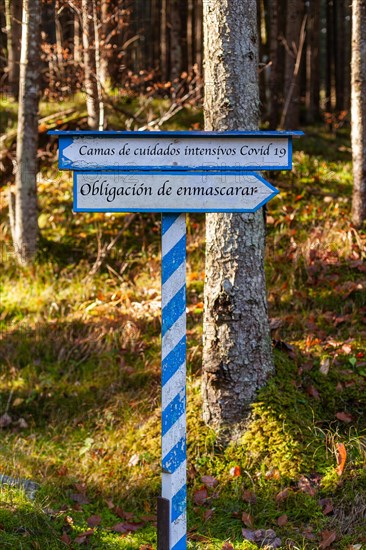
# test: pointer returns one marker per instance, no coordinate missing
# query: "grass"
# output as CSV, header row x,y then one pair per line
x,y
80,376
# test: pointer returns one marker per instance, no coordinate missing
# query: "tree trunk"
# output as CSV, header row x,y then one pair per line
x,y
295,13
23,207
277,59
13,17
163,41
312,63
330,58
90,80
104,46
339,43
77,41
237,355
358,111
175,39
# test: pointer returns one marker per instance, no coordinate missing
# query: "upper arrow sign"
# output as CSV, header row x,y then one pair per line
x,y
170,192
175,150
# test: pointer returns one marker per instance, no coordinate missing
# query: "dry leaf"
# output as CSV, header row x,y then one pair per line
x,y
80,498
273,473
324,366
66,539
94,521
134,460
82,537
235,471
327,505
282,495
313,392
247,519
209,481
227,546
208,514
341,458
249,496
328,537
282,520
344,417
200,496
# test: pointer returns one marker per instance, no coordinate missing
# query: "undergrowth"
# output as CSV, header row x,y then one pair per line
x,y
80,376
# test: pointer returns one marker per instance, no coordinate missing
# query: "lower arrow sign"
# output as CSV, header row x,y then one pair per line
x,y
170,192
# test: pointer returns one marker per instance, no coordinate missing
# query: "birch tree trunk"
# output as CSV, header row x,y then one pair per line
x,y
23,207
358,111
237,355
90,79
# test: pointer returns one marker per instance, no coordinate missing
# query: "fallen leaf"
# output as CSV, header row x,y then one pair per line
x,y
80,498
273,473
122,514
82,537
324,366
227,546
306,487
110,504
209,481
247,519
328,537
235,471
126,527
94,521
282,495
282,520
313,392
327,506
344,417
208,514
200,496
5,420
134,460
66,539
341,458
248,534
249,496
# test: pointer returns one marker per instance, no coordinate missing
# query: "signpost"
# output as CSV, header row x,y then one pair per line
x,y
173,173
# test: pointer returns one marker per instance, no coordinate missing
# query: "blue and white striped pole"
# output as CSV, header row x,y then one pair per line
x,y
173,531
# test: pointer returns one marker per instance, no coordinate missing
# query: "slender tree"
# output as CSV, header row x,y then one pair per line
x,y
90,67
23,206
13,17
358,110
237,357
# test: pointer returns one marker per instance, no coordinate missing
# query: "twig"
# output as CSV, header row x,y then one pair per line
x,y
103,252
296,71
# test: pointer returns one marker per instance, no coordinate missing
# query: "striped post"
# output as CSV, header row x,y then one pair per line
x,y
174,463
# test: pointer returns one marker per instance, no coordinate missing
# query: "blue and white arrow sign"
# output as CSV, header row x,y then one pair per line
x,y
175,150
170,192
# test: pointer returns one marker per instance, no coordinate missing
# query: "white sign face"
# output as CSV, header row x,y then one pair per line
x,y
170,192
178,153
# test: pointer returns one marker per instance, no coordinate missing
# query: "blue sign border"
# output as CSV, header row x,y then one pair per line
x,y
67,137
171,172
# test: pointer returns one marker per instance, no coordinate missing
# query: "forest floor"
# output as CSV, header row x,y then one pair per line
x,y
80,376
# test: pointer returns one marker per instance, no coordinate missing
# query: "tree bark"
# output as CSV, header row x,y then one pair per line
x,y
90,80
24,215
277,59
358,111
237,355
339,43
312,63
175,39
13,17
295,13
